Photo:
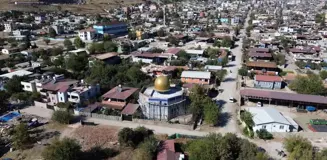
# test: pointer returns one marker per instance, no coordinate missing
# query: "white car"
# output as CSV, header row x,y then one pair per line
x,y
259,104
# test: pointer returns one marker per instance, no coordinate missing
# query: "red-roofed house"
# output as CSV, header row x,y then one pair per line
x,y
118,97
268,82
168,151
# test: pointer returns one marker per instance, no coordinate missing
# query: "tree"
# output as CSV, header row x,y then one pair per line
x,y
264,134
323,74
132,138
300,64
46,41
227,42
77,63
161,33
215,146
298,147
65,149
211,112
147,149
3,102
312,84
61,116
279,58
220,76
224,61
52,33
247,118
217,43
243,71
59,61
56,51
183,55
68,44
173,40
132,35
291,142
79,43
106,38
13,85
21,137
110,46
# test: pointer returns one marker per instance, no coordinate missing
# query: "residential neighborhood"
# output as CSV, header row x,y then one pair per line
x,y
163,80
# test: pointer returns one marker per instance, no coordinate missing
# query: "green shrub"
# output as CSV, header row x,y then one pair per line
x,y
63,117
264,134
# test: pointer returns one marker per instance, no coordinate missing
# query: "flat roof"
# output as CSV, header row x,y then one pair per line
x,y
106,55
193,51
267,78
284,96
261,64
196,74
18,73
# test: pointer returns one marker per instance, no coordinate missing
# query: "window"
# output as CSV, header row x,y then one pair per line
x,y
281,127
264,126
61,99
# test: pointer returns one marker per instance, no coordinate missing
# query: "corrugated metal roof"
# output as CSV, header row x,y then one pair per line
x,y
284,96
265,115
196,74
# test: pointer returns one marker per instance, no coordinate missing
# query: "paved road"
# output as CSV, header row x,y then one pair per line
x,y
229,86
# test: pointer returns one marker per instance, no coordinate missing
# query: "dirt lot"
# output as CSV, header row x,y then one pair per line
x,y
91,6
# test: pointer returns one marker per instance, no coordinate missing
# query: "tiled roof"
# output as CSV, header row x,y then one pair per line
x,y
262,55
267,78
130,109
261,64
173,50
106,55
117,94
58,84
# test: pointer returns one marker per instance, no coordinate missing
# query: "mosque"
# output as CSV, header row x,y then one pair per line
x,y
162,101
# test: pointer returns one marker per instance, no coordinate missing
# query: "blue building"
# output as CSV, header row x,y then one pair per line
x,y
224,20
113,28
162,102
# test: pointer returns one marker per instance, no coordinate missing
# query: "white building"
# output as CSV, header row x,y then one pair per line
x,y
8,27
87,34
270,119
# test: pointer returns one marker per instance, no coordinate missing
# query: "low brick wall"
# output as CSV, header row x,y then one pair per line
x,y
101,116
162,123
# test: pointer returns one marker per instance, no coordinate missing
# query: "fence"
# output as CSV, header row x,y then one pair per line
x,y
101,116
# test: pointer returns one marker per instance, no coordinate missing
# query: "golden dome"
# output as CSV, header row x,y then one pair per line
x,y
161,84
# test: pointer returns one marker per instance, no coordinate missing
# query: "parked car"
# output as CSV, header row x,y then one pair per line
x,y
259,104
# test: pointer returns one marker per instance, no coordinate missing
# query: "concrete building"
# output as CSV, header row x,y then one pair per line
x,y
196,77
162,102
271,120
58,28
268,82
8,27
87,34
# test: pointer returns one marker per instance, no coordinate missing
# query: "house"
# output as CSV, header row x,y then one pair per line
x,y
87,34
261,66
197,77
107,58
118,97
168,151
148,57
213,68
267,82
58,28
64,90
270,119
194,53
260,56
113,28
19,73
9,27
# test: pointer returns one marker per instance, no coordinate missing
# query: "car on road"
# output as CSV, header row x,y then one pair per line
x,y
259,104
232,100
